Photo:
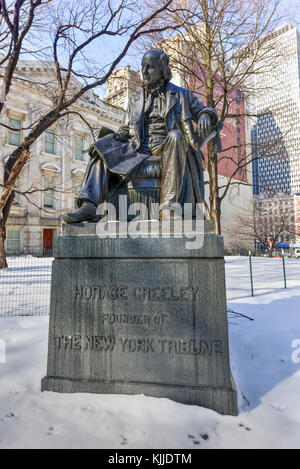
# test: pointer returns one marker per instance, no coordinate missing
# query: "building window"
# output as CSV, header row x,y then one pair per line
x,y
50,141
13,240
49,183
79,149
14,136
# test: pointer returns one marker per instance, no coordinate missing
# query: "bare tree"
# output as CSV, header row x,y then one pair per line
x,y
269,221
218,52
18,22
237,242
82,45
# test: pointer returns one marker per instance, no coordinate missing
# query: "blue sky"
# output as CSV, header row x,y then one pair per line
x,y
290,8
103,51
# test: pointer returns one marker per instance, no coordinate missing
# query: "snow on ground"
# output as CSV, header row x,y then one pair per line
x,y
267,380
25,286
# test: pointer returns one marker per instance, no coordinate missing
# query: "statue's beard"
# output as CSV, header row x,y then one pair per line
x,y
159,86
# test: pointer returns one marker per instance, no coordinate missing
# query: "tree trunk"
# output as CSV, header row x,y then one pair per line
x,y
5,214
3,263
212,163
218,215
214,199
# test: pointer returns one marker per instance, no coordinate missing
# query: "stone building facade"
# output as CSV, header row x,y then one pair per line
x,y
57,162
281,213
121,85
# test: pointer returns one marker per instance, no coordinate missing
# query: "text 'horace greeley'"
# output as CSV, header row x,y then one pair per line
x,y
141,293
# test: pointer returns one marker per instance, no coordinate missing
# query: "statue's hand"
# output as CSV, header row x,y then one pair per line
x,y
122,136
204,125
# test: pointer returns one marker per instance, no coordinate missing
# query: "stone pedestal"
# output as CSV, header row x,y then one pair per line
x,y
138,316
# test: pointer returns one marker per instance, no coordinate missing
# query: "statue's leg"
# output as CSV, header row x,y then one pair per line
x,y
95,187
173,164
94,191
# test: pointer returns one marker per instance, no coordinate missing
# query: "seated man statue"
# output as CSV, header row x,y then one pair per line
x,y
158,123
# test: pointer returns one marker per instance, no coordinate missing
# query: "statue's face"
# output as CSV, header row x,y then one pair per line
x,y
151,70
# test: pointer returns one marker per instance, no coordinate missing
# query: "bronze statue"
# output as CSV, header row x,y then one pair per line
x,y
158,123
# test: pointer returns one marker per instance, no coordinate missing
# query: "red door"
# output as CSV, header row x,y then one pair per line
x,y
47,242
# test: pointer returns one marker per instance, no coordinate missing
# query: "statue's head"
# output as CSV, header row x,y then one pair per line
x,y
155,68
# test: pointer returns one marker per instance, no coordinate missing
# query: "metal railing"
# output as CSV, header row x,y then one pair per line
x,y
25,285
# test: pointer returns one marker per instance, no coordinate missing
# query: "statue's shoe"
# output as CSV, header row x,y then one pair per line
x,y
87,212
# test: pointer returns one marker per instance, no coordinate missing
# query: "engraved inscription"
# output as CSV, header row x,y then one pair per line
x,y
141,293
78,342
166,293
126,318
137,344
191,347
101,292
